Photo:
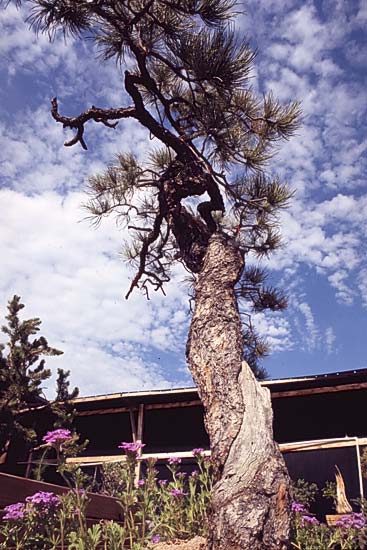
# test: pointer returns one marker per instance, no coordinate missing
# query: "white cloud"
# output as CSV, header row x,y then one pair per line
x,y
275,328
308,329
71,277
330,340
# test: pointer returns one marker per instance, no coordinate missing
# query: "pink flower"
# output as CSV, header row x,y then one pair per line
x,y
155,539
131,447
198,452
44,499
15,511
194,473
141,482
309,519
174,460
297,507
163,482
57,437
177,493
351,521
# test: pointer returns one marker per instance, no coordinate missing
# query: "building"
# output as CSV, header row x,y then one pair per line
x,y
319,421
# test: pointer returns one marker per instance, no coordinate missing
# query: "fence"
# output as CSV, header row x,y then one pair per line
x,y
15,489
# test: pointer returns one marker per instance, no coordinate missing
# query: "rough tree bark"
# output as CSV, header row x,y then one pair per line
x,y
250,505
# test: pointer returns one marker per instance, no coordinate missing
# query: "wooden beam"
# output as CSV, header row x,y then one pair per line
x,y
197,402
317,391
148,407
92,460
321,444
126,395
15,489
284,448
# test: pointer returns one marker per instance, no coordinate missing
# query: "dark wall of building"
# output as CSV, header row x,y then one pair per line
x,y
105,432
318,467
178,429
320,416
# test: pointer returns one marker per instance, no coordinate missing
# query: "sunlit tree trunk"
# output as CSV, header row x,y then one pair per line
x,y
250,505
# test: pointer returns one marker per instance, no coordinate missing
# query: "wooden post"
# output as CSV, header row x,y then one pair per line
x,y
133,424
29,464
360,477
139,440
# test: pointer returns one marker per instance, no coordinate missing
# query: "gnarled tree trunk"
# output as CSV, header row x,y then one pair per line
x,y
250,505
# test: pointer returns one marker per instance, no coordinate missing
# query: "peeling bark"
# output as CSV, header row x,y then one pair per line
x,y
250,505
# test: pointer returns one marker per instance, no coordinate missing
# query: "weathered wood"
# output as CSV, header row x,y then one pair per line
x,y
322,444
129,395
316,391
133,424
250,505
149,407
139,440
91,460
15,489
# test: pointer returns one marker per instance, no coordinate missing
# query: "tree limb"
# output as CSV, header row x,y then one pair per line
x,y
94,113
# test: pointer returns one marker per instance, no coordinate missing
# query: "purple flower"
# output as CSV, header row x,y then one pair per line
x,y
162,482
174,460
198,452
131,447
155,539
194,473
351,521
177,493
297,507
141,482
181,475
44,499
15,511
57,437
309,519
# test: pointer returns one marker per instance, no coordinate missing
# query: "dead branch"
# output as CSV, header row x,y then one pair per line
x,y
94,113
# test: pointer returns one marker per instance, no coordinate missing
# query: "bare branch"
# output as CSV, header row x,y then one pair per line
x,y
94,113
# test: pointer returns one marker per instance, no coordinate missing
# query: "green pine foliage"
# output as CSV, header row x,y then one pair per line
x,y
63,406
22,372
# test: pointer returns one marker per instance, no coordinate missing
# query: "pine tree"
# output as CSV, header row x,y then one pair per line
x,y
62,406
22,373
187,80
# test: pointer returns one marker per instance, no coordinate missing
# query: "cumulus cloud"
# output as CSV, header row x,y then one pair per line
x,y
330,340
73,278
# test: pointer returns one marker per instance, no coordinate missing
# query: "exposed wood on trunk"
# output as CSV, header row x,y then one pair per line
x,y
250,506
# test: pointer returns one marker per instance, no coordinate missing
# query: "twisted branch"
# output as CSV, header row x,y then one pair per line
x,y
94,113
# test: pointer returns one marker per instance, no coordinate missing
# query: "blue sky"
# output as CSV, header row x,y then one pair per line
x,y
72,276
